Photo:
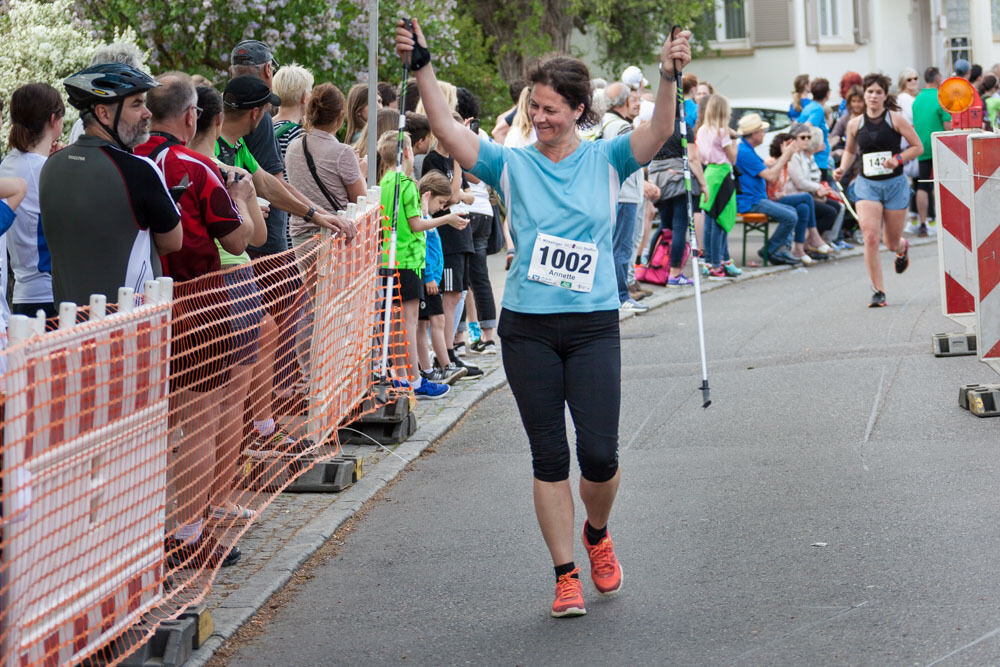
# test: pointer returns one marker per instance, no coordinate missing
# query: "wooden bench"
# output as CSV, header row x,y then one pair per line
x,y
753,222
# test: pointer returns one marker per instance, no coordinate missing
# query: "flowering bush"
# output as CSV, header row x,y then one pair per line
x,y
330,38
43,43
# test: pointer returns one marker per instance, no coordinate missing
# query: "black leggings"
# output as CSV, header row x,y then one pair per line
x,y
826,215
566,359
479,274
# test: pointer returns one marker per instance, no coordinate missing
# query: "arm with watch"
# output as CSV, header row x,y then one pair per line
x,y
286,198
649,137
913,151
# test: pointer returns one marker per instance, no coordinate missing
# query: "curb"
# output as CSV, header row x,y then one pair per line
x,y
240,606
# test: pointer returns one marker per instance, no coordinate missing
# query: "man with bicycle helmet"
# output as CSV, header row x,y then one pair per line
x,y
106,213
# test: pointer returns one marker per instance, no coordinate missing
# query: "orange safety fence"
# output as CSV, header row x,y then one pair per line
x,y
137,439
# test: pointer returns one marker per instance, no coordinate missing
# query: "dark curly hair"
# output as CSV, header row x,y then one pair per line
x,y
885,83
570,78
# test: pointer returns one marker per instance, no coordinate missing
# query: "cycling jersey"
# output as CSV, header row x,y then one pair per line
x,y
207,212
100,207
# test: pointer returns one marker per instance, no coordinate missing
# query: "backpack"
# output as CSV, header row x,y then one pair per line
x,y
657,269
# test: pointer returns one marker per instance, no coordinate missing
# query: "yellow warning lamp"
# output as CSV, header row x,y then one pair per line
x,y
956,94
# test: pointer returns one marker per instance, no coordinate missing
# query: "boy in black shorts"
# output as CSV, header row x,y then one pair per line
x,y
458,247
435,192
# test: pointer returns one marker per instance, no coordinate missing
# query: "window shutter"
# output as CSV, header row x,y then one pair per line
x,y
771,23
812,22
862,22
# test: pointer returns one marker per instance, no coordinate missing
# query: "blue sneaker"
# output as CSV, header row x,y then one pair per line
x,y
680,281
432,390
732,271
474,332
401,384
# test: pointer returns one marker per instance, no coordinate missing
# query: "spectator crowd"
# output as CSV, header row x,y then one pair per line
x,y
226,192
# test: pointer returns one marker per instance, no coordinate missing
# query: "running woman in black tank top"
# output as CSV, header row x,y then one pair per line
x,y
882,190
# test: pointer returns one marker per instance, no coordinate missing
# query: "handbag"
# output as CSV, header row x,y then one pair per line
x,y
657,269
496,241
312,170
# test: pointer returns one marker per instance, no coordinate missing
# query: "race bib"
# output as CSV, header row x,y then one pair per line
x,y
563,263
873,164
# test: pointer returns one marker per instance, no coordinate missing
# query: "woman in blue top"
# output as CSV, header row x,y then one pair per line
x,y
559,324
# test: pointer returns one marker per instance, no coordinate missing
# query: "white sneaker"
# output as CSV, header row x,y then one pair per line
x,y
633,306
911,228
931,228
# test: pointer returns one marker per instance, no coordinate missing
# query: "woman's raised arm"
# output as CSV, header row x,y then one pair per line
x,y
455,137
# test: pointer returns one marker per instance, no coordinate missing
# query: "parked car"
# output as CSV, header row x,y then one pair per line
x,y
774,112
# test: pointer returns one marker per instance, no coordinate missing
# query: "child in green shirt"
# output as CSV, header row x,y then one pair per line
x,y
410,246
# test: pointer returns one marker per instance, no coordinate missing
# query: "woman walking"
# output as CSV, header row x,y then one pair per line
x,y
559,322
883,191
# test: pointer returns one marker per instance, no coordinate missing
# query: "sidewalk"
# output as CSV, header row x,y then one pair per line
x,y
294,526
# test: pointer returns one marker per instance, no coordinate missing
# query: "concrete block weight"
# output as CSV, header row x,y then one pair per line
x,y
953,345
327,476
385,433
170,646
983,400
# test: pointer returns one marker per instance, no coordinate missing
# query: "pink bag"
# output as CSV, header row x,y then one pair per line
x,y
657,269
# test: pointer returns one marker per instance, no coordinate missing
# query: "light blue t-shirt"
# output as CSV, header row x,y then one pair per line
x,y
572,199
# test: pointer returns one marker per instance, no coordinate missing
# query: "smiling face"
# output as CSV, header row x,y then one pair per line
x,y
553,118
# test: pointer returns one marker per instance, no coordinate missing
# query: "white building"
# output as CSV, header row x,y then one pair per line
x,y
764,44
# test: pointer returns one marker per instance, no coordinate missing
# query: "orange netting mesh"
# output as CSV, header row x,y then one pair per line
x,y
136,446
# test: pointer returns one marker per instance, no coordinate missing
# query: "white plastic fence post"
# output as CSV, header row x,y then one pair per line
x,y
38,324
166,289
67,315
151,292
20,328
98,307
126,299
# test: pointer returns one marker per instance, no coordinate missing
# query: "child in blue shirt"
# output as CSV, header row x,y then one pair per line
x,y
435,193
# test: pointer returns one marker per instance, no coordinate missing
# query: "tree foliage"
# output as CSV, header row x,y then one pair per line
x,y
481,45
631,32
43,44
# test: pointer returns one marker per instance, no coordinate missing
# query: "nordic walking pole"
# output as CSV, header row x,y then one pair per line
x,y
390,269
695,252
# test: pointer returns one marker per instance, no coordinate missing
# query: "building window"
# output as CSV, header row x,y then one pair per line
x,y
958,49
728,19
828,18
734,24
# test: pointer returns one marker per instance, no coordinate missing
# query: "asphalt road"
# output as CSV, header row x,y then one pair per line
x,y
833,506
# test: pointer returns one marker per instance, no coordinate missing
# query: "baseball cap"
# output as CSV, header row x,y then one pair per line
x,y
633,78
248,92
962,66
252,52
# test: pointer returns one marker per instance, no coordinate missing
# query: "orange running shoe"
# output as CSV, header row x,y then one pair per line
x,y
605,571
569,596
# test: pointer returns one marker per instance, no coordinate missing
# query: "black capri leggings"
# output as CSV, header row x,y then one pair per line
x,y
564,359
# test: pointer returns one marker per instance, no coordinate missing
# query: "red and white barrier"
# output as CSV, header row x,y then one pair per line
x,y
953,194
984,150
76,398
342,279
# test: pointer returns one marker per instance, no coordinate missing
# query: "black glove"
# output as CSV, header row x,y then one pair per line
x,y
420,55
